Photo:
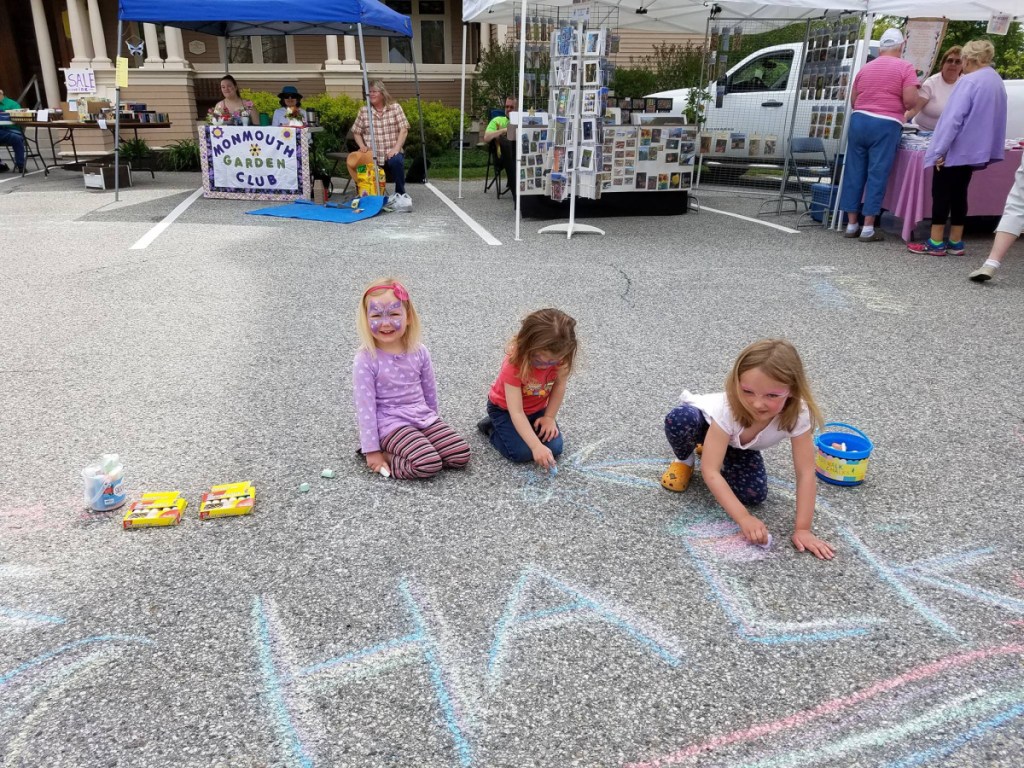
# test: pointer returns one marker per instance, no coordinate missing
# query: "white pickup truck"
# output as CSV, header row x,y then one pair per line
x,y
750,113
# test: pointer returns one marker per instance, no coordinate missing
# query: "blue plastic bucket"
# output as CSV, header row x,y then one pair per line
x,y
102,492
842,457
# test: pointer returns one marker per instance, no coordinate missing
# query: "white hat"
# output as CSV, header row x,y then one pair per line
x,y
891,38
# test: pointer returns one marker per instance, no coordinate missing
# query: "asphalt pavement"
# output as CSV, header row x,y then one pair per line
x,y
496,616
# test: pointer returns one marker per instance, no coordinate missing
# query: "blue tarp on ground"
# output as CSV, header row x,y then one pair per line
x,y
229,18
346,214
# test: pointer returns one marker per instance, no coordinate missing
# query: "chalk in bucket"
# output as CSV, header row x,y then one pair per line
x,y
842,457
104,483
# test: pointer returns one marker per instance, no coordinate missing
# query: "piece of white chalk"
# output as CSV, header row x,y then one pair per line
x,y
767,544
384,471
304,488
328,473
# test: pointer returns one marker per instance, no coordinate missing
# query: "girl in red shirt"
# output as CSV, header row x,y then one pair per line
x,y
525,398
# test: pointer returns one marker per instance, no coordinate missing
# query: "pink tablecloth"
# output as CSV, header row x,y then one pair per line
x,y
909,192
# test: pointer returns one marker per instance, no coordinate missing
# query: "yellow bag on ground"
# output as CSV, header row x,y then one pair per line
x,y
361,167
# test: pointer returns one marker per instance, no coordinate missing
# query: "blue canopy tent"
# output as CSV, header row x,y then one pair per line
x,y
230,18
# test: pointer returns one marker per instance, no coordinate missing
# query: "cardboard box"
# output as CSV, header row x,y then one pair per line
x,y
89,106
228,500
157,509
102,176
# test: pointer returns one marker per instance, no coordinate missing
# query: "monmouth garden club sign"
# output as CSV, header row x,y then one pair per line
x,y
255,157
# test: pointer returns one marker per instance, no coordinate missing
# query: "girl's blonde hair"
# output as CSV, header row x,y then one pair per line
x,y
779,360
981,51
411,339
379,85
546,330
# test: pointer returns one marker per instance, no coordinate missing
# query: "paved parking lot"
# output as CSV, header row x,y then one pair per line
x,y
496,616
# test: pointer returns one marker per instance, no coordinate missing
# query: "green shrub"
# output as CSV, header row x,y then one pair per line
x,y
182,155
263,101
441,127
338,113
633,82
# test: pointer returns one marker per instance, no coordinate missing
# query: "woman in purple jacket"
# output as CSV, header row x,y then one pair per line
x,y
971,134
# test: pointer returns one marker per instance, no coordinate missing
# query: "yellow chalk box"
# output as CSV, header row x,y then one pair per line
x,y
228,500
159,508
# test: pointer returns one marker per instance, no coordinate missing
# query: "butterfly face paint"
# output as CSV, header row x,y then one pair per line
x,y
540,362
386,318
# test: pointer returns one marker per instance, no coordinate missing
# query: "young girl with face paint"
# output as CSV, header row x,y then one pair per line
x,y
766,400
400,431
525,398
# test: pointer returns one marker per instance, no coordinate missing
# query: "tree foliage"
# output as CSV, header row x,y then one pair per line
x,y
1009,61
497,76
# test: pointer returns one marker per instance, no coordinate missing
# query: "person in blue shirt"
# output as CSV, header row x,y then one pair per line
x,y
11,136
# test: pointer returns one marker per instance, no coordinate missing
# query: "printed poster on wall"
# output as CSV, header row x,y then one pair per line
x,y
924,40
254,157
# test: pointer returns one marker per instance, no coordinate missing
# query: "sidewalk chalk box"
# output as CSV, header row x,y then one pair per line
x,y
228,500
156,509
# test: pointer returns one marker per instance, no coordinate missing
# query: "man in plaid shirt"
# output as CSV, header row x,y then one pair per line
x,y
390,128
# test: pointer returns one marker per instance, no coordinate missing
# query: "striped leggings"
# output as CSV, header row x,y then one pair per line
x,y
418,454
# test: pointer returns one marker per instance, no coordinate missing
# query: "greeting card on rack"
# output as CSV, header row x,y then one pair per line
x,y
594,43
589,103
564,42
591,73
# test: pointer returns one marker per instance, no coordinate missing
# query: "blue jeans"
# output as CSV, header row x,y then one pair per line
x,y
16,141
508,442
744,471
394,168
871,148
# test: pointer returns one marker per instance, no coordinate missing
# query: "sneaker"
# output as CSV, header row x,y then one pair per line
x,y
955,249
853,234
982,273
874,237
928,247
19,169
402,202
485,426
677,477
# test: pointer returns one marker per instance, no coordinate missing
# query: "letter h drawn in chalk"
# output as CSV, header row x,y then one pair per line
x,y
284,681
932,571
708,542
572,605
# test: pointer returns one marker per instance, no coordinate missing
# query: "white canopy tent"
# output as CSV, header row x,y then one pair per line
x,y
692,16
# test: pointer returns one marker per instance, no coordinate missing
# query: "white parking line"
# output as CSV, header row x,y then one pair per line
x,y
18,176
155,232
755,221
486,236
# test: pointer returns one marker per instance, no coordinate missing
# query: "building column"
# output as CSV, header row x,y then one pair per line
x,y
152,60
332,50
50,85
485,37
82,54
99,44
176,49
350,50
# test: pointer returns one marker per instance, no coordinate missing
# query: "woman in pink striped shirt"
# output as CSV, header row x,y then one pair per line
x,y
883,91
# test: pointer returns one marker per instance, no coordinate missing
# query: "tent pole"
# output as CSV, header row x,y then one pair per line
x,y
462,106
117,119
369,108
869,25
423,131
514,183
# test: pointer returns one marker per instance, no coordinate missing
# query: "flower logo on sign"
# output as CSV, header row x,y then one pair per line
x,y
255,150
218,132
286,134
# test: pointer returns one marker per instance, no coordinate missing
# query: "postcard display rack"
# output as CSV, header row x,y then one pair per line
x,y
578,147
